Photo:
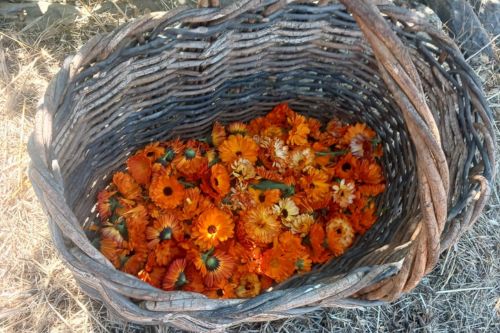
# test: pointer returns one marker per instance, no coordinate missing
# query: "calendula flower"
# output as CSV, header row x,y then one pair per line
x,y
278,115
343,193
219,180
175,278
368,190
135,260
106,204
265,198
340,235
218,134
224,289
319,244
300,224
315,184
370,173
361,146
139,167
172,149
261,225
153,276
347,167
153,151
286,209
166,191
164,229
355,130
236,147
194,204
112,250
215,266
190,162
301,159
276,264
297,136
243,169
126,185
212,227
248,286
237,128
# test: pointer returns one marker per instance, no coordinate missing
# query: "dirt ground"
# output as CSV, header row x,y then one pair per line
x,y
38,294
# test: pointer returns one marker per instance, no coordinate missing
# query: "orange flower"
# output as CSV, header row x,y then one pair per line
x,y
164,229
297,136
214,266
135,261
347,167
364,217
278,114
194,279
139,167
126,185
249,286
171,150
236,147
106,204
261,225
371,190
265,198
212,227
111,250
344,193
219,180
317,238
356,132
153,276
218,134
315,184
190,162
314,127
164,252
166,191
153,151
237,128
175,278
223,289
194,204
256,125
370,173
276,264
340,235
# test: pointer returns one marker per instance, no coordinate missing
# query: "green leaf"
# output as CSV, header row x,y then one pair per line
x,y
286,190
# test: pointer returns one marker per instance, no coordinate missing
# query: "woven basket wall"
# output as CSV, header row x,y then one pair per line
x,y
173,74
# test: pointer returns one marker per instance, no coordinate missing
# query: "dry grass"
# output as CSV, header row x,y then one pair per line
x,y
38,294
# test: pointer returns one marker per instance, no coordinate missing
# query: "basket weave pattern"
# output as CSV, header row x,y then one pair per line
x,y
173,74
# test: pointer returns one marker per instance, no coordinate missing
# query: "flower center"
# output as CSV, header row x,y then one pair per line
x,y
220,292
212,229
166,233
190,153
339,231
284,213
346,166
168,191
262,197
212,264
239,153
150,154
181,280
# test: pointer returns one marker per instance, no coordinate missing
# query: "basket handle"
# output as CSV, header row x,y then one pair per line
x,y
402,79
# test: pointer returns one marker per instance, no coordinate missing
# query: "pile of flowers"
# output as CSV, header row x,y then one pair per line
x,y
231,215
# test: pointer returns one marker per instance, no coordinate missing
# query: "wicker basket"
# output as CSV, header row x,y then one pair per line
x,y
173,74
